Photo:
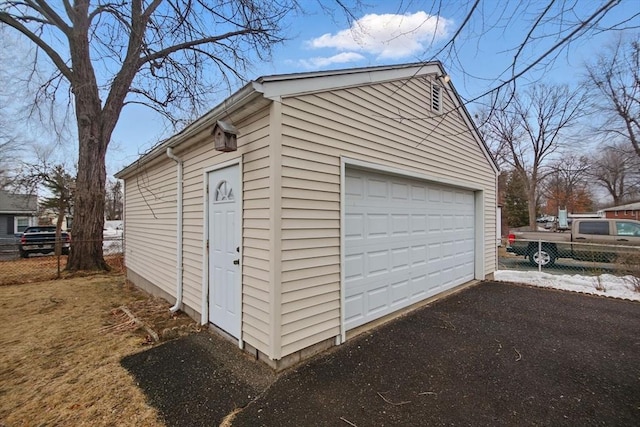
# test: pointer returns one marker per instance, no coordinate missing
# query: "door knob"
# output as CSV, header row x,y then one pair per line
x,y
236,261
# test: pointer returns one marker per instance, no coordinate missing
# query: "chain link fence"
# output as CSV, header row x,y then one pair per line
x,y
591,260
45,264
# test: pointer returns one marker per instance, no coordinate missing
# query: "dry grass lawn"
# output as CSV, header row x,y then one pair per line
x,y
60,348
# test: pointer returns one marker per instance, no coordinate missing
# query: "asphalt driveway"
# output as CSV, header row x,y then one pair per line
x,y
494,354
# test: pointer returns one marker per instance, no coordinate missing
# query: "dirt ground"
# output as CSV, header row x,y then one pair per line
x,y
61,343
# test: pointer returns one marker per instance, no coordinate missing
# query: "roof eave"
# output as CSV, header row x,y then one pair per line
x,y
236,101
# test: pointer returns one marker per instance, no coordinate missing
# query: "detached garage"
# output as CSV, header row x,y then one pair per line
x,y
308,207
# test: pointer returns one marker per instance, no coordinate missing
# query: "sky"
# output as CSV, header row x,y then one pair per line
x,y
395,32
407,31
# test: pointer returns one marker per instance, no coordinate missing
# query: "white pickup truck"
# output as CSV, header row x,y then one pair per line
x,y
600,240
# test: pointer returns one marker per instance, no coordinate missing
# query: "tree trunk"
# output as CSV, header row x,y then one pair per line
x,y
88,210
532,202
93,139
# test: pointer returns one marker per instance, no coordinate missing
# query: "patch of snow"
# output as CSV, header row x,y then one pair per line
x,y
606,285
113,224
111,247
111,233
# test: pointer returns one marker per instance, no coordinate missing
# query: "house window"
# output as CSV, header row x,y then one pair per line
x,y
436,98
21,223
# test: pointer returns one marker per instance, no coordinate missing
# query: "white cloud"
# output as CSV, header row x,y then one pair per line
x,y
389,36
341,58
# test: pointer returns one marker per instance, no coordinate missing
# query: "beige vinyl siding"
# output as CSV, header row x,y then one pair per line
x,y
150,219
253,146
151,241
388,124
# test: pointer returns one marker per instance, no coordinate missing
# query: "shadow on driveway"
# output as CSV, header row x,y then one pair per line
x,y
494,354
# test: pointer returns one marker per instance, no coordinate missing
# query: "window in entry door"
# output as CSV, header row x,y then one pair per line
x,y
224,192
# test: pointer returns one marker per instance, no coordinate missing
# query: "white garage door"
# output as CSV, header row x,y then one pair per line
x,y
405,240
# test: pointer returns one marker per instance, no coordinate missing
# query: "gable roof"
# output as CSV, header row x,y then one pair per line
x,y
628,207
18,204
260,92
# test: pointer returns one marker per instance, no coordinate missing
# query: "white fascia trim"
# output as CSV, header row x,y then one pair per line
x,y
275,88
376,167
230,105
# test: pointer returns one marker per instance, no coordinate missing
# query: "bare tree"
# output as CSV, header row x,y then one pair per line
x,y
9,150
160,53
115,202
614,78
617,170
566,186
526,130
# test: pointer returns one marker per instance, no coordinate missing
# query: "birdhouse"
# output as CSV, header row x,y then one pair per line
x,y
225,136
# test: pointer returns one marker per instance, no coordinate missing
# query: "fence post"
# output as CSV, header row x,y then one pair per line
x,y
539,255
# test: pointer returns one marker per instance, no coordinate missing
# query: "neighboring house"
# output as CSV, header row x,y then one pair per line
x,y
353,196
49,216
628,211
17,212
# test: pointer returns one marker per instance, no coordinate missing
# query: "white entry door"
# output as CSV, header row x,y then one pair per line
x,y
224,249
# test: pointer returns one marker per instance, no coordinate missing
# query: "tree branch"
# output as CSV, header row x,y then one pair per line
x,y
190,44
51,53
53,18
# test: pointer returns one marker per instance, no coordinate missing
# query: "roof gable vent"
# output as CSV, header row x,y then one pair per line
x,y
436,98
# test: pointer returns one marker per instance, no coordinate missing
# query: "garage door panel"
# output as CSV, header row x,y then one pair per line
x,y
400,224
418,256
354,226
400,293
418,223
418,193
355,187
378,299
354,266
418,287
400,259
377,263
354,309
376,225
405,240
400,191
